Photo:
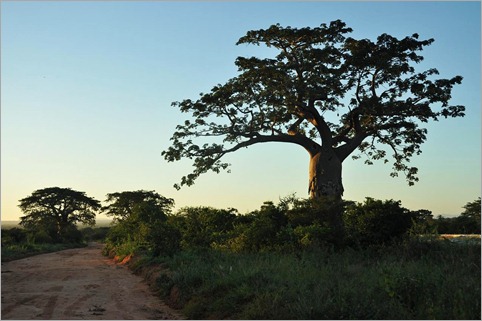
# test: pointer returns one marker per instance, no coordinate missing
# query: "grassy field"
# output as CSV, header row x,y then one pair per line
x,y
414,280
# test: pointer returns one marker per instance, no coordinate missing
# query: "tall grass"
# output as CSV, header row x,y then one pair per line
x,y
415,280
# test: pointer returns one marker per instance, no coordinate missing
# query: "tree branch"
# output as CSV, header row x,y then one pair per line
x,y
297,139
311,114
351,144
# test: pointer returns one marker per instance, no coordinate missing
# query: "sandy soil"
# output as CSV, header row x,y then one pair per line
x,y
77,284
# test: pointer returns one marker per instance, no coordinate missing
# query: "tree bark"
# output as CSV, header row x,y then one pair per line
x,y
325,175
325,184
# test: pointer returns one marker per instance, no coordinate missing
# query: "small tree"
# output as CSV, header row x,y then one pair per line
x,y
57,210
469,219
122,204
472,211
423,223
141,219
325,92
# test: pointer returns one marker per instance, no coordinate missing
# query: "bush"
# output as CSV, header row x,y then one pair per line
x,y
41,237
325,214
95,233
14,235
202,227
259,230
164,239
71,234
145,228
312,235
376,221
291,225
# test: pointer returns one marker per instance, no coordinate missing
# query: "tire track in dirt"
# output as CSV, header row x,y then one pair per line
x,y
50,308
77,284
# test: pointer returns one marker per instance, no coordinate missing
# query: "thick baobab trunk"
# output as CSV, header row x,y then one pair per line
x,y
326,186
325,175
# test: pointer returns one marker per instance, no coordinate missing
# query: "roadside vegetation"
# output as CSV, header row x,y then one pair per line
x,y
18,242
404,281
287,261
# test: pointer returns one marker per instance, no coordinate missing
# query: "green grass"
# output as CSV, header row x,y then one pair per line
x,y
19,251
416,280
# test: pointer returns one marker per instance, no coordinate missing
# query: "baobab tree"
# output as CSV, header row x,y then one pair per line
x,y
326,92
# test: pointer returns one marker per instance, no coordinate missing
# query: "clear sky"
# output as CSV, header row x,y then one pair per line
x,y
86,92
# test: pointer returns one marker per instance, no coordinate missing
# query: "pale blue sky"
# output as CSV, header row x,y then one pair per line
x,y
86,89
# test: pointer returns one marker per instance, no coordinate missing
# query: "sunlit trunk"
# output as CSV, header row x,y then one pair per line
x,y
325,175
325,185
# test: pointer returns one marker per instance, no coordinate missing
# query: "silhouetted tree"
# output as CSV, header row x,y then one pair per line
x,y
122,204
472,212
469,220
56,210
325,92
141,218
423,222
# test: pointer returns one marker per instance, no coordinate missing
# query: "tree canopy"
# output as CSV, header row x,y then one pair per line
x,y
471,215
123,204
141,218
326,92
472,209
58,209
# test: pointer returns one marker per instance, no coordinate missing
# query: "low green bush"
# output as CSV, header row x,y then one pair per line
x,y
201,227
98,234
13,235
19,243
376,222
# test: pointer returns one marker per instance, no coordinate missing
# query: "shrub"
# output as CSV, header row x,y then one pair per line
x,y
164,239
95,233
312,235
259,230
291,225
71,234
327,213
14,235
144,227
201,227
41,236
376,221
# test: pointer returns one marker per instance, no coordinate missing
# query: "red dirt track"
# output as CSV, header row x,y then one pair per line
x,y
77,284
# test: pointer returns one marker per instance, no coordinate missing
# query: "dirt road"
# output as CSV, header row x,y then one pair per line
x,y
77,284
